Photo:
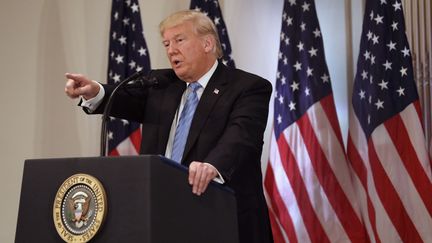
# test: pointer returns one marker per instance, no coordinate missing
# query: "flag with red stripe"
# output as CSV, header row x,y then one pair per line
x,y
308,180
430,147
386,144
127,54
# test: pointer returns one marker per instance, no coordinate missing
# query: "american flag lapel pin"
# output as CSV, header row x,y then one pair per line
x,y
216,91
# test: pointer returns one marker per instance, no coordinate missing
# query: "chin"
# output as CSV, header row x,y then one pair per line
x,y
180,74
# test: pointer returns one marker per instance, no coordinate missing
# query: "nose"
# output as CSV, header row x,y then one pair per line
x,y
172,49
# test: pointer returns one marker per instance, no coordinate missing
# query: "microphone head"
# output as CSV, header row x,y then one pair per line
x,y
148,81
163,77
157,78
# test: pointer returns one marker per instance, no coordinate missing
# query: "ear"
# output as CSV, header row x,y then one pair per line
x,y
208,43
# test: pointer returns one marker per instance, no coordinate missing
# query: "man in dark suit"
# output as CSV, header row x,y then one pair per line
x,y
227,110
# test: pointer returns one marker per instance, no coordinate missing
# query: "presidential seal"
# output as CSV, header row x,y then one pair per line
x,y
80,207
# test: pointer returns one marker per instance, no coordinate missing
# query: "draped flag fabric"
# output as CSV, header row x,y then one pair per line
x,y
127,54
308,179
212,9
386,144
430,148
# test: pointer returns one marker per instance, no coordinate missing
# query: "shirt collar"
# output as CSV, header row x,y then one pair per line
x,y
203,81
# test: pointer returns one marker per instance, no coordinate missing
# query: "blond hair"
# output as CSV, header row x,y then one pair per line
x,y
202,25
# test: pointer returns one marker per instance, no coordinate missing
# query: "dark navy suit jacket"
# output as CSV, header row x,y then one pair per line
x,y
226,131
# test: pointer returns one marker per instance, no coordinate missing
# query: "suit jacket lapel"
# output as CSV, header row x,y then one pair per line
x,y
214,89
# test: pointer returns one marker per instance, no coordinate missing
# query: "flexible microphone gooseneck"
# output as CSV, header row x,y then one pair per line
x,y
138,77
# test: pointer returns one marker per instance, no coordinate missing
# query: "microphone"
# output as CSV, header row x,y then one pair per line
x,y
147,81
137,78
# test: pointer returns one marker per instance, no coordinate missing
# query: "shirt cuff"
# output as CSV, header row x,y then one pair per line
x,y
93,103
219,179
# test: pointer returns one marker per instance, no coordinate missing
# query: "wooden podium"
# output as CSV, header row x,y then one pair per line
x,y
148,197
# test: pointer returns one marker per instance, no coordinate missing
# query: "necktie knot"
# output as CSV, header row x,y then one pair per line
x,y
194,86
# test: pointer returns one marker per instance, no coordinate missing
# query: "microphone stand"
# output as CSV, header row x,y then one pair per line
x,y
138,77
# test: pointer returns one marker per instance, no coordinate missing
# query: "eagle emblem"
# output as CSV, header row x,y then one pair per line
x,y
79,204
79,208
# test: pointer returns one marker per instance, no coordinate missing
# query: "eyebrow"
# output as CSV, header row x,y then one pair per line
x,y
175,36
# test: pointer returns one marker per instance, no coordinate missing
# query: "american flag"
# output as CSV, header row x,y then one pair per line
x,y
430,147
127,54
212,9
386,144
308,179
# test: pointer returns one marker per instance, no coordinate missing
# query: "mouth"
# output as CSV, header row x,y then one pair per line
x,y
175,63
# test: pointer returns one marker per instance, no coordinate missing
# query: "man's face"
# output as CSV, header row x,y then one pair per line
x,y
186,51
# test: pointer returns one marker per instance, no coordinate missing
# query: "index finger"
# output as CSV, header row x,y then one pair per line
x,y
192,172
72,75
78,78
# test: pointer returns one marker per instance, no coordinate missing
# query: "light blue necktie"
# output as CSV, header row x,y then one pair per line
x,y
184,123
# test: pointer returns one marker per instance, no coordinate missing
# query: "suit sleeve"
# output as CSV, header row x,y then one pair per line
x,y
128,103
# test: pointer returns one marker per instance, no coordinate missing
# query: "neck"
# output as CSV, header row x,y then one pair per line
x,y
203,71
